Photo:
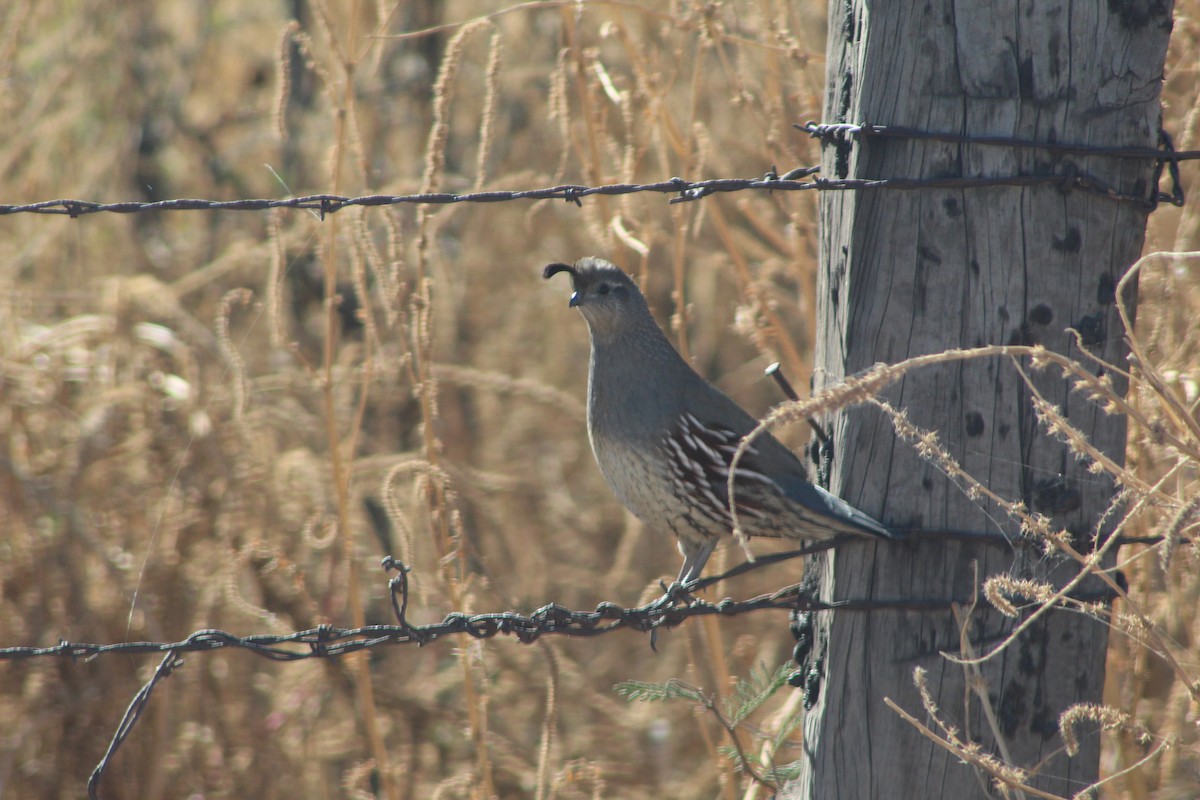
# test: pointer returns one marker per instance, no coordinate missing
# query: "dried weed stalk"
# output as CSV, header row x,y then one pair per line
x,y
228,478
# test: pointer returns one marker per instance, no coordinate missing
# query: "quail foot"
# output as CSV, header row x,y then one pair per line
x,y
664,437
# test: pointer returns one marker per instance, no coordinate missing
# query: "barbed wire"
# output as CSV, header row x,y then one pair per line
x,y
325,204
688,191
1165,152
1166,156
329,641
677,605
133,713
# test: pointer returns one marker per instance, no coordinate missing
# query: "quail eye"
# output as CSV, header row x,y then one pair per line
x,y
603,288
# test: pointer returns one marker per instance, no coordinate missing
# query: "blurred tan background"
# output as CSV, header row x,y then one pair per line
x,y
172,384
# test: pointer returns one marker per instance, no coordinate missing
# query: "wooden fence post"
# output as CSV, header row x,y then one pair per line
x,y
915,272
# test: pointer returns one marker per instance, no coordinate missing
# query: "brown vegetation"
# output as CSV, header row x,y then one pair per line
x,y
193,438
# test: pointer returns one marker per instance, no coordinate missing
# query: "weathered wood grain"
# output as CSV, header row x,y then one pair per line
x,y
913,272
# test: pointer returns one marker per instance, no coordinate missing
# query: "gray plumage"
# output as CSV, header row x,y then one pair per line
x,y
664,437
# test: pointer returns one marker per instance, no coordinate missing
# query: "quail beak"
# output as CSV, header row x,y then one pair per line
x,y
553,269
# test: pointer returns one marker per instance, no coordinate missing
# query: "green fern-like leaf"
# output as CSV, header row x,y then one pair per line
x,y
657,692
754,690
731,754
781,775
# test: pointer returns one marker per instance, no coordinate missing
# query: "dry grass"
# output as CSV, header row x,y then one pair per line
x,y
193,439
